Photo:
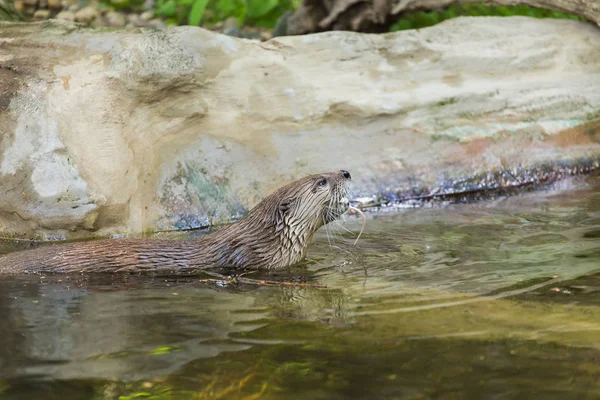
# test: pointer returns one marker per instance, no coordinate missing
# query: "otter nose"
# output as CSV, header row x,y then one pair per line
x,y
346,174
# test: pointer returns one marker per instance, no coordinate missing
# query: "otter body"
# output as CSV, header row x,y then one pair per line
x,y
275,234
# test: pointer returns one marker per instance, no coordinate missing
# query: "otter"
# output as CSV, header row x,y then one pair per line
x,y
275,234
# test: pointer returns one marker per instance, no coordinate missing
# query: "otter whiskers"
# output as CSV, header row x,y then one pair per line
x,y
331,230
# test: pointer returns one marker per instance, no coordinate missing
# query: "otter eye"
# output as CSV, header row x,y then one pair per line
x,y
322,182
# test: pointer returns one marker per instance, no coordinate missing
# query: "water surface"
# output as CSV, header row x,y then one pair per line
x,y
497,299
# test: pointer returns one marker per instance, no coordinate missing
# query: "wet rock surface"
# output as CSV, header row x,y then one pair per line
x,y
105,132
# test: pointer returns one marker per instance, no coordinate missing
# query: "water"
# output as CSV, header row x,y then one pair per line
x,y
496,300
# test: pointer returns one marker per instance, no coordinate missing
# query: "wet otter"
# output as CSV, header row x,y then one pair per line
x,y
275,234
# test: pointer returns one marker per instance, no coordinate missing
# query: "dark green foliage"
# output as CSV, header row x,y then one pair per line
x,y
8,12
424,19
197,12
123,4
262,13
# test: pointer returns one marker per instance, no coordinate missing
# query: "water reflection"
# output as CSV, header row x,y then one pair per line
x,y
432,302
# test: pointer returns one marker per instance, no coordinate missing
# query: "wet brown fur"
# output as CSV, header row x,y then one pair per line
x,y
275,234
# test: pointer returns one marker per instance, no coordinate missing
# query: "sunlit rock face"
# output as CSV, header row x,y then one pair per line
x,y
108,132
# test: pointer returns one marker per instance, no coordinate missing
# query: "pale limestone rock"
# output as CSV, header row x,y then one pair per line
x,y
41,14
66,16
130,131
155,23
87,15
115,19
147,16
134,19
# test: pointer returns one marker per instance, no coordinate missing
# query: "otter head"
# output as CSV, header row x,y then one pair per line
x,y
309,203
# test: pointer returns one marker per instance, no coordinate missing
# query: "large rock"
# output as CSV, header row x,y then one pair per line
x,y
106,132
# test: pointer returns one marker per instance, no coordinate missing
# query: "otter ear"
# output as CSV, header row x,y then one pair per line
x,y
282,210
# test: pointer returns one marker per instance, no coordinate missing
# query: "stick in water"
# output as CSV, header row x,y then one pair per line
x,y
228,280
364,221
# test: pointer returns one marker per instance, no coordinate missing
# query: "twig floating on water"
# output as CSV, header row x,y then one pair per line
x,y
259,282
263,282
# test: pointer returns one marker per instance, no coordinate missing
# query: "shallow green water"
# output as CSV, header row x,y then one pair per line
x,y
499,299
